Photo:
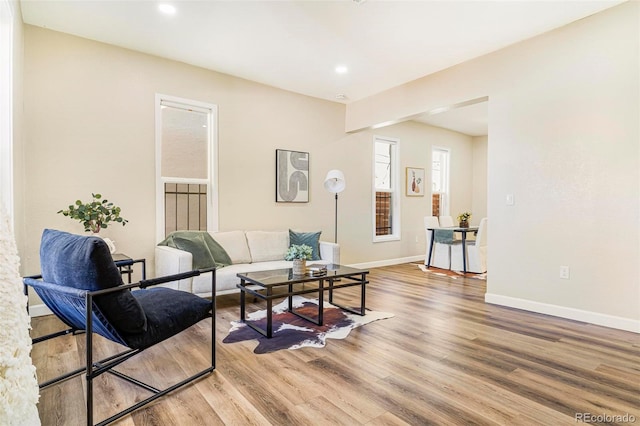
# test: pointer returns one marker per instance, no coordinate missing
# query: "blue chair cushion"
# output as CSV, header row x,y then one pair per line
x,y
85,263
168,312
312,239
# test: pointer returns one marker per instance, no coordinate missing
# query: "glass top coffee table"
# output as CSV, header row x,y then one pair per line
x,y
261,284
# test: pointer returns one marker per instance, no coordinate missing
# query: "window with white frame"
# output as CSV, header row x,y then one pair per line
x,y
440,182
186,158
386,189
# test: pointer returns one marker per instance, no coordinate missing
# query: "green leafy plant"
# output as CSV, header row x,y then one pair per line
x,y
298,252
464,217
96,214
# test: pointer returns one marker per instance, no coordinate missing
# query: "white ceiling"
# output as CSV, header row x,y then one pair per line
x,y
296,45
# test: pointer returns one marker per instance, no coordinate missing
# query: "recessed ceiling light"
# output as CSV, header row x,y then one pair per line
x,y
341,69
167,9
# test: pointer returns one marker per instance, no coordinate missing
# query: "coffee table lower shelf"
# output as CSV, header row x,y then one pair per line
x,y
261,284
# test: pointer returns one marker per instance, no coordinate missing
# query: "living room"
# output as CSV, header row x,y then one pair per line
x,y
564,133
88,110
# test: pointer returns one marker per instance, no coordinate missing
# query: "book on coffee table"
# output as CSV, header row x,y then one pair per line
x,y
317,267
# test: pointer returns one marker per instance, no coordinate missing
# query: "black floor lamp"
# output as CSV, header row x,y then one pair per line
x,y
335,183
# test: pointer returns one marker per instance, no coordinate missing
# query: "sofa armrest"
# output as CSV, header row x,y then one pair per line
x,y
330,252
171,261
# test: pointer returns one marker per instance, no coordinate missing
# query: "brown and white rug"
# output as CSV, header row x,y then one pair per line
x,y
292,332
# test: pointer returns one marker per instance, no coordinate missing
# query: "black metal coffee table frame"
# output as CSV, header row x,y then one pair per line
x,y
261,284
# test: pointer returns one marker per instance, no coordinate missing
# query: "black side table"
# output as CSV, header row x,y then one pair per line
x,y
125,265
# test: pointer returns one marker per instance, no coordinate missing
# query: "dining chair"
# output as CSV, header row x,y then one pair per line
x,y
447,222
476,252
441,254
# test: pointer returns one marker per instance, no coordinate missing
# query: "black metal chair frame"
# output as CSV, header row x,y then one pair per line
x,y
93,369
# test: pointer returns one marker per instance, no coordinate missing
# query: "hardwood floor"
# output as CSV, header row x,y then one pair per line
x,y
445,358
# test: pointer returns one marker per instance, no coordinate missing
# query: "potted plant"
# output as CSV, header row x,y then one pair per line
x,y
463,219
95,215
299,254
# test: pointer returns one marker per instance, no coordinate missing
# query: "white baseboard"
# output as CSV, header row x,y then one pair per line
x,y
39,310
596,318
388,262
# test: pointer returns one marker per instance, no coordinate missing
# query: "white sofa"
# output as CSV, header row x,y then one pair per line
x,y
248,250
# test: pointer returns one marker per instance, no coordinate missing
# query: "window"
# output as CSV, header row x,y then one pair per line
x,y
186,152
440,182
386,194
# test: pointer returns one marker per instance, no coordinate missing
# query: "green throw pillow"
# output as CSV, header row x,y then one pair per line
x,y
312,239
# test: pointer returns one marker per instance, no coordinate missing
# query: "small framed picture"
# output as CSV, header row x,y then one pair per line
x,y
292,176
415,182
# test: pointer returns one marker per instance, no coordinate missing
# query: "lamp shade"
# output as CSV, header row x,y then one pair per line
x,y
334,182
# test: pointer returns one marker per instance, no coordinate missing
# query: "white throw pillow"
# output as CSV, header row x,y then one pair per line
x,y
235,244
267,245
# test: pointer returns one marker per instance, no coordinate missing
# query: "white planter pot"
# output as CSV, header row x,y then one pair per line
x,y
110,243
299,266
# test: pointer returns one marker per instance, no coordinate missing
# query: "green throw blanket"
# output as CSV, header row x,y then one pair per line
x,y
443,236
206,251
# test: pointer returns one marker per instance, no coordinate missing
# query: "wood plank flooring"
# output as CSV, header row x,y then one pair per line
x,y
446,358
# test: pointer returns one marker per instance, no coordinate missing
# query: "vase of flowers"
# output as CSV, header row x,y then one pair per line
x,y
463,219
299,254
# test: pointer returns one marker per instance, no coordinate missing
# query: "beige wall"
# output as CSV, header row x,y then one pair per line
x,y
479,179
89,120
89,126
564,132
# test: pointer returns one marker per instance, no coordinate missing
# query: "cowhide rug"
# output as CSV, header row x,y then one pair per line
x,y
293,332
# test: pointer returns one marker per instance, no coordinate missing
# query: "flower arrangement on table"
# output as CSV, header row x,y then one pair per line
x,y
299,254
463,219
302,251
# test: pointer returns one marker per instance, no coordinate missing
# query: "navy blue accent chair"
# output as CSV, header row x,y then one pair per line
x,y
83,287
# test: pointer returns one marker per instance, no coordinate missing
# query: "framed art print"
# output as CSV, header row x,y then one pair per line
x,y
415,182
292,176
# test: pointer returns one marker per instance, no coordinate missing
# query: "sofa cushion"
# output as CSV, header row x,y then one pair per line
x,y
235,244
168,313
311,239
267,245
